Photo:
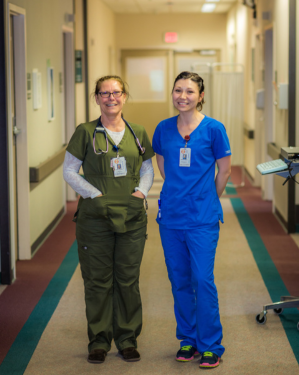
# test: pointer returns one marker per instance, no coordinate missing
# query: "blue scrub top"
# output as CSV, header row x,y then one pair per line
x,y
188,197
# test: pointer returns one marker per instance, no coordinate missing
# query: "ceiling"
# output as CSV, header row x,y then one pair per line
x,y
167,6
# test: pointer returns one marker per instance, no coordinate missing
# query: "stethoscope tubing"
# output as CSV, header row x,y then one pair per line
x,y
100,129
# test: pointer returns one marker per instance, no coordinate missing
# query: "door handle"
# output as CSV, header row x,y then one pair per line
x,y
16,130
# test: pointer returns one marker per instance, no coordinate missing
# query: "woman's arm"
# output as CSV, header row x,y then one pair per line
x,y
146,179
224,170
71,168
160,162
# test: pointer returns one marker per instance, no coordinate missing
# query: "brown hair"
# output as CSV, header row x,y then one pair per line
x,y
195,78
124,85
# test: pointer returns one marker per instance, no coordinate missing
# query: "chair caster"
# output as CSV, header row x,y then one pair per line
x,y
278,311
261,320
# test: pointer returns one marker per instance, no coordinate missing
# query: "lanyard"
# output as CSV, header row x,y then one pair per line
x,y
187,139
100,129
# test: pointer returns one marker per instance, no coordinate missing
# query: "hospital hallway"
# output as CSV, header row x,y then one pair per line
x,y
42,315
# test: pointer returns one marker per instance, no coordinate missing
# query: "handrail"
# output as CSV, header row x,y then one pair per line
x,y
44,169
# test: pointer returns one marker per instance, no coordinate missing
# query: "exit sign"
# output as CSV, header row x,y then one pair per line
x,y
170,37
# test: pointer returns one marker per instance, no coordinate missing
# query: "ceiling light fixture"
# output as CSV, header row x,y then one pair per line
x,y
208,8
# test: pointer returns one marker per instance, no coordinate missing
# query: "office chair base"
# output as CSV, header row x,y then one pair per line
x,y
278,307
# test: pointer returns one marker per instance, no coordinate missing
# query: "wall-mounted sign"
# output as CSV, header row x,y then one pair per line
x,y
28,86
170,37
78,66
60,82
51,101
37,89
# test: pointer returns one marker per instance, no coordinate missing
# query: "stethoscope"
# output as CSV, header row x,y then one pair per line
x,y
100,129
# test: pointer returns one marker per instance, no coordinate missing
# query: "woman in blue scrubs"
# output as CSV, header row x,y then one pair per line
x,y
188,146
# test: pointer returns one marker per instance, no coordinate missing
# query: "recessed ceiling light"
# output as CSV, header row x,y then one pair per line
x,y
208,8
211,1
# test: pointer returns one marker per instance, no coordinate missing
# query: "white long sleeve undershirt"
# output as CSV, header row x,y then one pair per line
x,y
72,165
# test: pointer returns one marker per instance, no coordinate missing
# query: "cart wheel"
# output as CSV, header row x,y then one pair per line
x,y
259,320
298,326
278,311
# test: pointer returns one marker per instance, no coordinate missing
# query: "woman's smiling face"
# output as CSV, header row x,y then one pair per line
x,y
111,105
185,95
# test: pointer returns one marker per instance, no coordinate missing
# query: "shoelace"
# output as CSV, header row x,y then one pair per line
x,y
186,347
207,354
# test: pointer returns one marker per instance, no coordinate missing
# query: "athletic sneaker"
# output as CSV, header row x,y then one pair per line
x,y
209,360
186,353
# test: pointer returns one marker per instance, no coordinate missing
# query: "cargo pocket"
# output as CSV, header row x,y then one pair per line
x,y
135,208
95,208
75,217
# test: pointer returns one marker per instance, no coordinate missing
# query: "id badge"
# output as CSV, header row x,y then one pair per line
x,y
185,157
119,166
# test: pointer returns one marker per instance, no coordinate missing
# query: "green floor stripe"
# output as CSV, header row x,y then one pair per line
x,y
270,275
229,189
21,351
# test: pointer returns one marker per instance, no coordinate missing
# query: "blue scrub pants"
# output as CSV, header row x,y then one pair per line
x,y
189,257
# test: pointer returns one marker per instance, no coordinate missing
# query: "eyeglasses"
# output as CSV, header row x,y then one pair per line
x,y
115,94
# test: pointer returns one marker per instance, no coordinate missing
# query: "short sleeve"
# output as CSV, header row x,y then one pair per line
x,y
149,152
78,143
220,142
157,140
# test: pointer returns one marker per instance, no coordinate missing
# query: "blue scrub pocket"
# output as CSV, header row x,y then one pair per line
x,y
202,209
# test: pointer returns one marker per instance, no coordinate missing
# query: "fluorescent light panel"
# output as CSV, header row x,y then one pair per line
x,y
212,1
208,8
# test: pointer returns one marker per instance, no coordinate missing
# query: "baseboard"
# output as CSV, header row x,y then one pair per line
x,y
248,175
281,219
38,242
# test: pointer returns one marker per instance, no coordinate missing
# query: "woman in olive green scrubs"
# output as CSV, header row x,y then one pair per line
x,y
111,219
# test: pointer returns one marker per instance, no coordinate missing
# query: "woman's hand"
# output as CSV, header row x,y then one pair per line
x,y
138,194
224,170
100,195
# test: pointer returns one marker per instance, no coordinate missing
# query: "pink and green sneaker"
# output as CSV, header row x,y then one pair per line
x,y
209,360
186,353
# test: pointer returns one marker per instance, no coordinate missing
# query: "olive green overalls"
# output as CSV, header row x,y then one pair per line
x,y
111,233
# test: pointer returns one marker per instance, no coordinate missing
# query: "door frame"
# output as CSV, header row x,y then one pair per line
x,y
5,247
23,194
267,184
68,97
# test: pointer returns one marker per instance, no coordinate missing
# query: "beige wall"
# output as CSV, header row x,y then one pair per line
x,y
101,47
195,31
44,22
250,35
79,45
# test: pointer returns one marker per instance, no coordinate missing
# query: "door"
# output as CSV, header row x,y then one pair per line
x,y
147,74
17,135
14,135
